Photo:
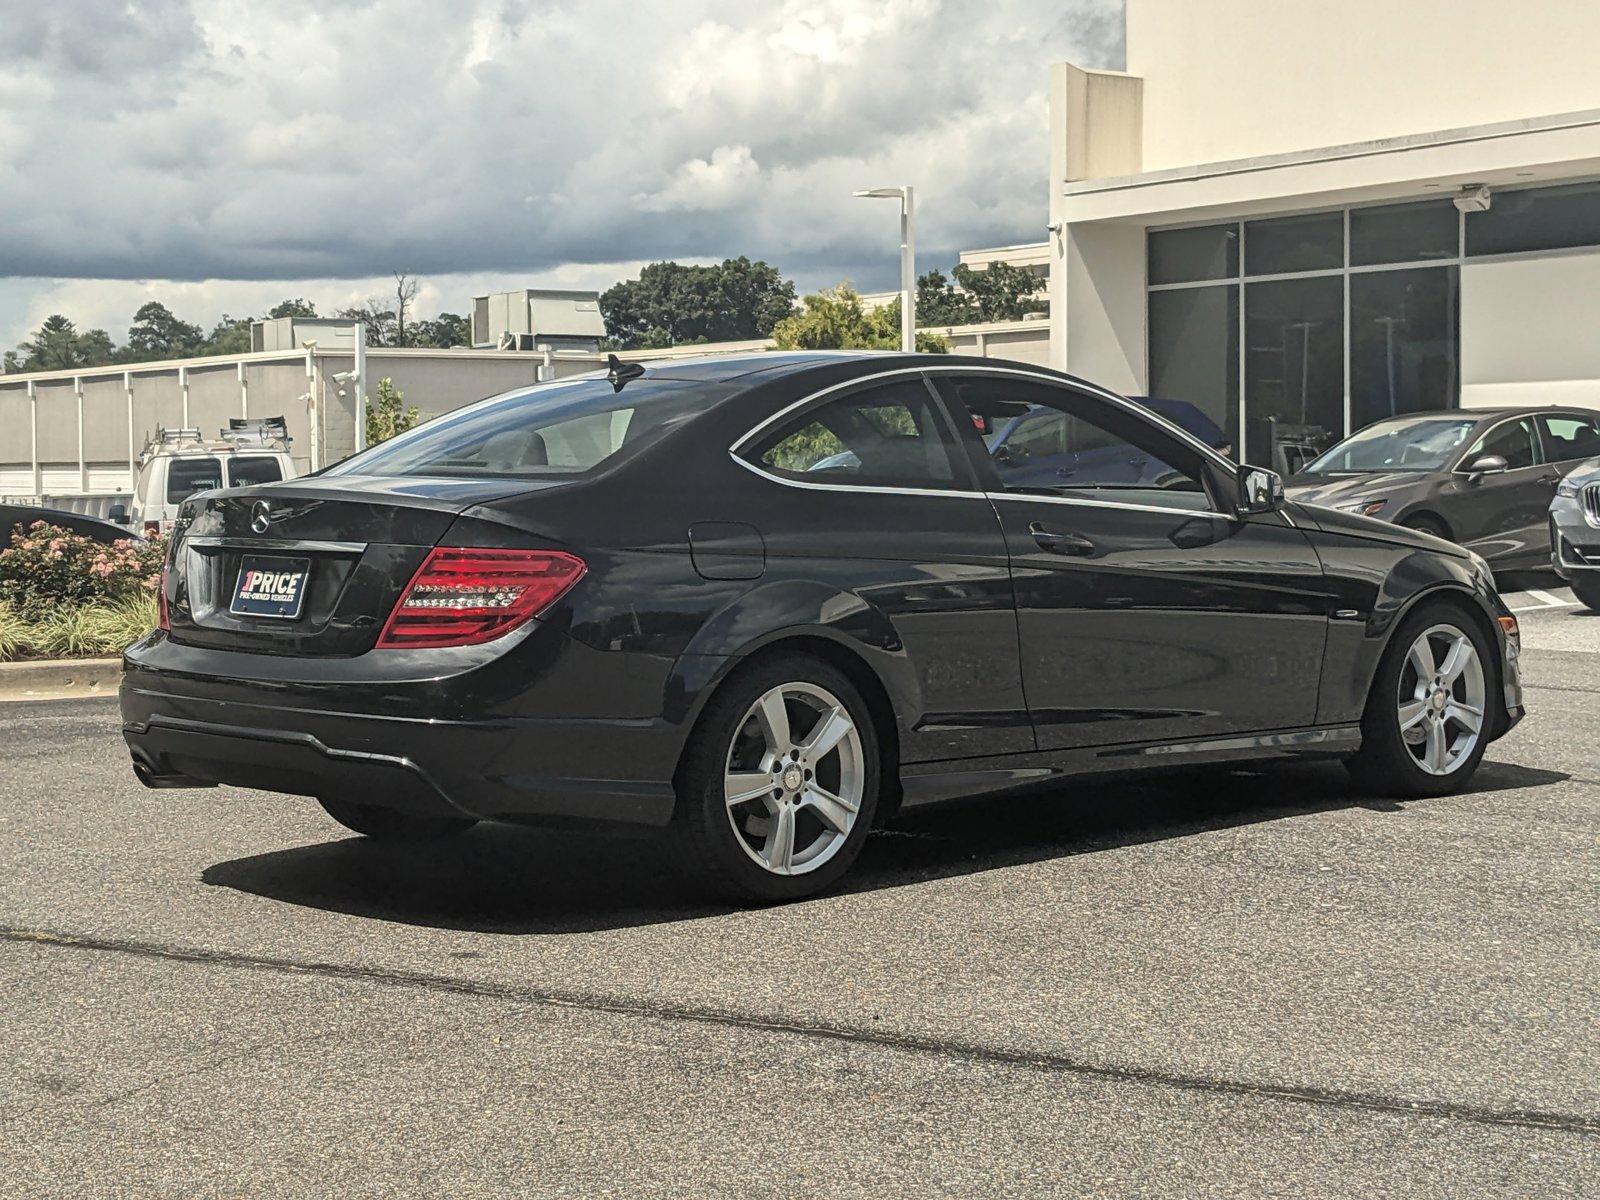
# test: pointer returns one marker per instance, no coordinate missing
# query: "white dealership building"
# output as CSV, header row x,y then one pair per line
x,y
1304,216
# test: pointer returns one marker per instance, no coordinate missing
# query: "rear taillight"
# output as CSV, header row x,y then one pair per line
x,y
461,596
163,605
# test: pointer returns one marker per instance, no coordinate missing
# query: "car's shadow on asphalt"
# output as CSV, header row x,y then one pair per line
x,y
504,879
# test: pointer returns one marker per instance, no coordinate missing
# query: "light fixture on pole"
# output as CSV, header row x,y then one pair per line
x,y
908,262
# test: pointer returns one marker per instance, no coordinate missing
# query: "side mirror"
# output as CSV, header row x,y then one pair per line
x,y
118,514
1260,491
1487,464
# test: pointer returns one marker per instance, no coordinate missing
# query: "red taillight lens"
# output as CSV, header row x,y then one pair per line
x,y
163,605
461,596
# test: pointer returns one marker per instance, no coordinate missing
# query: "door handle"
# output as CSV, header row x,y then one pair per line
x,y
1060,543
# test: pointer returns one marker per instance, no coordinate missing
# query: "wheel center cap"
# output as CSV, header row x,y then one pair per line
x,y
792,779
1439,699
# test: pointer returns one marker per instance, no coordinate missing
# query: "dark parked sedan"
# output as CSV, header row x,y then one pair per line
x,y
631,600
17,517
1481,477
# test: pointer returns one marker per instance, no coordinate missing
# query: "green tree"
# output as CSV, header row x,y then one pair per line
x,y
230,336
296,307
156,333
444,331
1001,291
58,346
387,413
941,303
671,304
835,319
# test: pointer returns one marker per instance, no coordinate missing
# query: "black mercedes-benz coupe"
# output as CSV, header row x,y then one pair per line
x,y
763,602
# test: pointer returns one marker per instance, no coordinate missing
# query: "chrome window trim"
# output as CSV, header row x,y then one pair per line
x,y
1129,406
1088,503
273,543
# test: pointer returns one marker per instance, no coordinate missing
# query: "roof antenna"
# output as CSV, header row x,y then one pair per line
x,y
619,372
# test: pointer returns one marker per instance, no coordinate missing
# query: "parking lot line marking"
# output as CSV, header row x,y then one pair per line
x,y
907,1043
1546,600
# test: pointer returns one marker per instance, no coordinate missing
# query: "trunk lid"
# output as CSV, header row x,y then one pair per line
x,y
359,540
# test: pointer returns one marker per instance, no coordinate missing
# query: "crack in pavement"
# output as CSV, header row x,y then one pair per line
x,y
907,1043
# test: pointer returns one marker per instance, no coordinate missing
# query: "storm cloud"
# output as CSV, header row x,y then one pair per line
x,y
228,140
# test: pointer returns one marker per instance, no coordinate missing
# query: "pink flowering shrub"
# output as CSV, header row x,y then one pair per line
x,y
47,568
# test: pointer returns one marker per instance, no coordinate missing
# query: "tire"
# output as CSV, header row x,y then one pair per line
x,y
1426,524
1587,589
1390,762
745,745
386,825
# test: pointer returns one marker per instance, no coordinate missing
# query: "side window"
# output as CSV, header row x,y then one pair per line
x,y
1568,438
889,436
186,476
253,468
1055,441
1512,441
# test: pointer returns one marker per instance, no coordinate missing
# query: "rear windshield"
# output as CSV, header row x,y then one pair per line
x,y
186,476
553,430
253,468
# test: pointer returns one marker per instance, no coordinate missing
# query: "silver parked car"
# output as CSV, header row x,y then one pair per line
x,y
1575,532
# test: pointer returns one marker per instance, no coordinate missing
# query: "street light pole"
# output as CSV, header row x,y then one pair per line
x,y
908,261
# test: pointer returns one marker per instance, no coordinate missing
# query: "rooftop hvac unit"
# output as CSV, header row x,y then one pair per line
x,y
537,319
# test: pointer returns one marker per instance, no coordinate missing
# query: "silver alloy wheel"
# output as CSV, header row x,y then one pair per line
x,y
1441,700
794,778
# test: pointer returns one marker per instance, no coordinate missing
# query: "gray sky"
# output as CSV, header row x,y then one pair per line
x,y
222,154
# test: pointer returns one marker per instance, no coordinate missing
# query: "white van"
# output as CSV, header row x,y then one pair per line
x,y
180,462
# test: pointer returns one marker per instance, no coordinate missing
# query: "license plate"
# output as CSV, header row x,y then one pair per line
x,y
271,587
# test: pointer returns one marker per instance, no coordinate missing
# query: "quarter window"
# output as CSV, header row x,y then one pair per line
x,y
1512,441
890,436
1054,441
1569,438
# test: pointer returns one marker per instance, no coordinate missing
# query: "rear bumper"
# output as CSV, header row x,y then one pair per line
x,y
185,729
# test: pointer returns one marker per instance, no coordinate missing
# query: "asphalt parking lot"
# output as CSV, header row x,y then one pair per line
x,y
1232,983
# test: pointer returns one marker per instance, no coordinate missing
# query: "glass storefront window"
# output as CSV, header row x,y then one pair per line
x,y
1403,233
1284,244
1551,218
1194,351
1403,337
1294,370
1193,255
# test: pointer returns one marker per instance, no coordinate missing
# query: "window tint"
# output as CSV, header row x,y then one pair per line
x,y
889,436
1537,219
253,468
1194,351
1283,244
186,476
1191,255
1403,339
1403,232
1567,438
555,429
1060,442
1512,441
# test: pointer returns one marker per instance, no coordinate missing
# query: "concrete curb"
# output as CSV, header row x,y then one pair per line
x,y
59,679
